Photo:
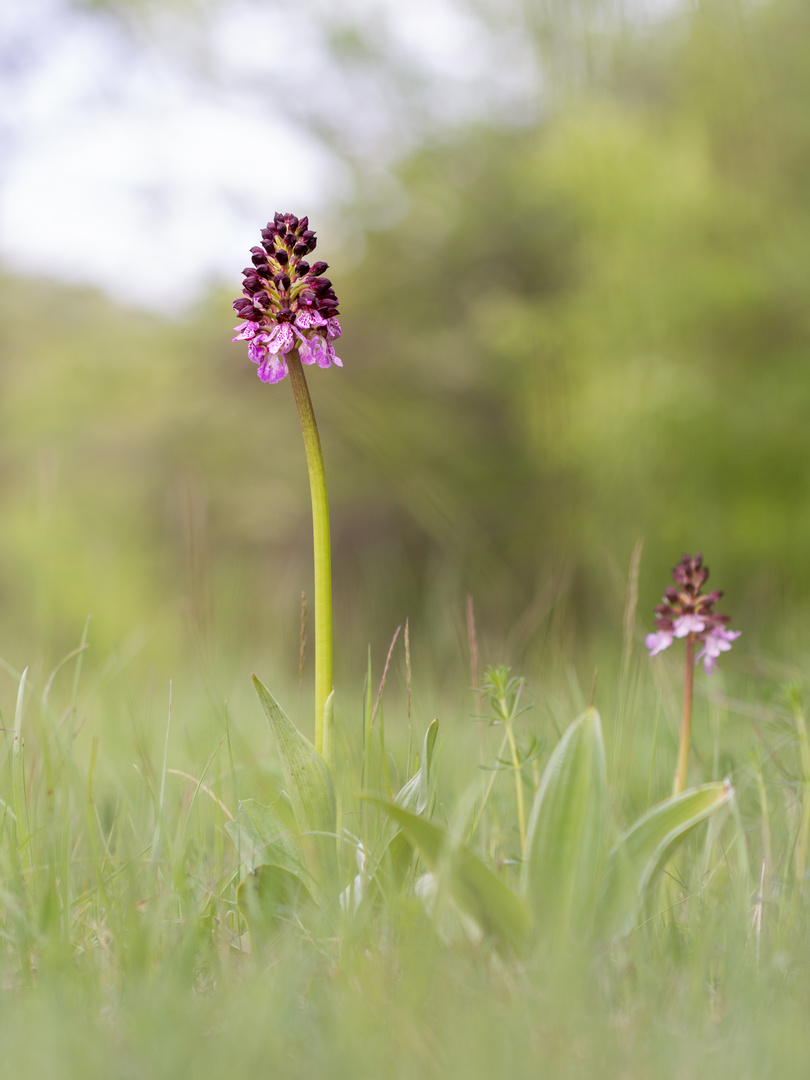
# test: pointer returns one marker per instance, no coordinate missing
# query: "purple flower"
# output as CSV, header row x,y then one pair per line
x,y
287,304
687,610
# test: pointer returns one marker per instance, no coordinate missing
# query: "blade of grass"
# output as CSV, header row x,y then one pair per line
x,y
19,799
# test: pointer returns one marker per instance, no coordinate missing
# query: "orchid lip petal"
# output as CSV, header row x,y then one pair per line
x,y
659,641
688,624
282,339
246,330
273,369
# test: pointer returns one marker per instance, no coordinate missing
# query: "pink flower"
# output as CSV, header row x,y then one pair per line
x,y
659,641
715,642
688,624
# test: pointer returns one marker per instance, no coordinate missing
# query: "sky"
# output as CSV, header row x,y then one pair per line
x,y
144,156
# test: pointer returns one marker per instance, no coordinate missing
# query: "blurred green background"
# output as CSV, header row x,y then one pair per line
x,y
581,331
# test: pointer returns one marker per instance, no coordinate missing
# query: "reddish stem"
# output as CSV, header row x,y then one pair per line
x,y
686,722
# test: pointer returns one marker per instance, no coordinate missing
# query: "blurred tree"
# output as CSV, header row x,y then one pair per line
x,y
584,331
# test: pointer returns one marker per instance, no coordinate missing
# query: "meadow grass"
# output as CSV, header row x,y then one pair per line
x,y
125,953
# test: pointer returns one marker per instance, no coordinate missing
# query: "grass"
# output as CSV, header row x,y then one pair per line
x,y
123,951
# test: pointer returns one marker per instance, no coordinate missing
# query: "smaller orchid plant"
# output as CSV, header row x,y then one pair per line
x,y
290,318
687,612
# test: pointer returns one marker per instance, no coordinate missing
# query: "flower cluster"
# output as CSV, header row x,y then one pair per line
x,y
687,610
287,303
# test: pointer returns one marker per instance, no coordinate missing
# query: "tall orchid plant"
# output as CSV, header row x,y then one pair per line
x,y
290,318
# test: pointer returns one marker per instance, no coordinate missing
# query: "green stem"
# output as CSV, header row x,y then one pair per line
x,y
521,810
686,722
322,547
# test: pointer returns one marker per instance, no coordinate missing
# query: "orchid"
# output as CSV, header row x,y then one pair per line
x,y
287,303
687,612
290,318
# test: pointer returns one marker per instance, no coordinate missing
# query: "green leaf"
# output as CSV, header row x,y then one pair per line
x,y
262,836
329,732
475,888
18,781
310,790
269,894
413,796
634,859
564,835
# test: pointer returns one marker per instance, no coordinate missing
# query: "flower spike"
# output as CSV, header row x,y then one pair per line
x,y
686,611
287,304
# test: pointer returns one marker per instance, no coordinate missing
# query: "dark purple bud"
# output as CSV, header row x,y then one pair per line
x,y
269,233
263,271
285,281
282,257
319,268
292,220
303,223
303,268
300,249
282,229
259,261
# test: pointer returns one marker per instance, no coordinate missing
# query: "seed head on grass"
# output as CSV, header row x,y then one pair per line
x,y
288,303
686,610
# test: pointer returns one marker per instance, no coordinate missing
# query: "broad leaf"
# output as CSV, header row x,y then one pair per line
x,y
564,835
262,836
475,888
634,859
270,894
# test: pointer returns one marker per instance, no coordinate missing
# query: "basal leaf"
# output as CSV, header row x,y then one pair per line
x,y
476,889
564,836
263,836
269,894
634,859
